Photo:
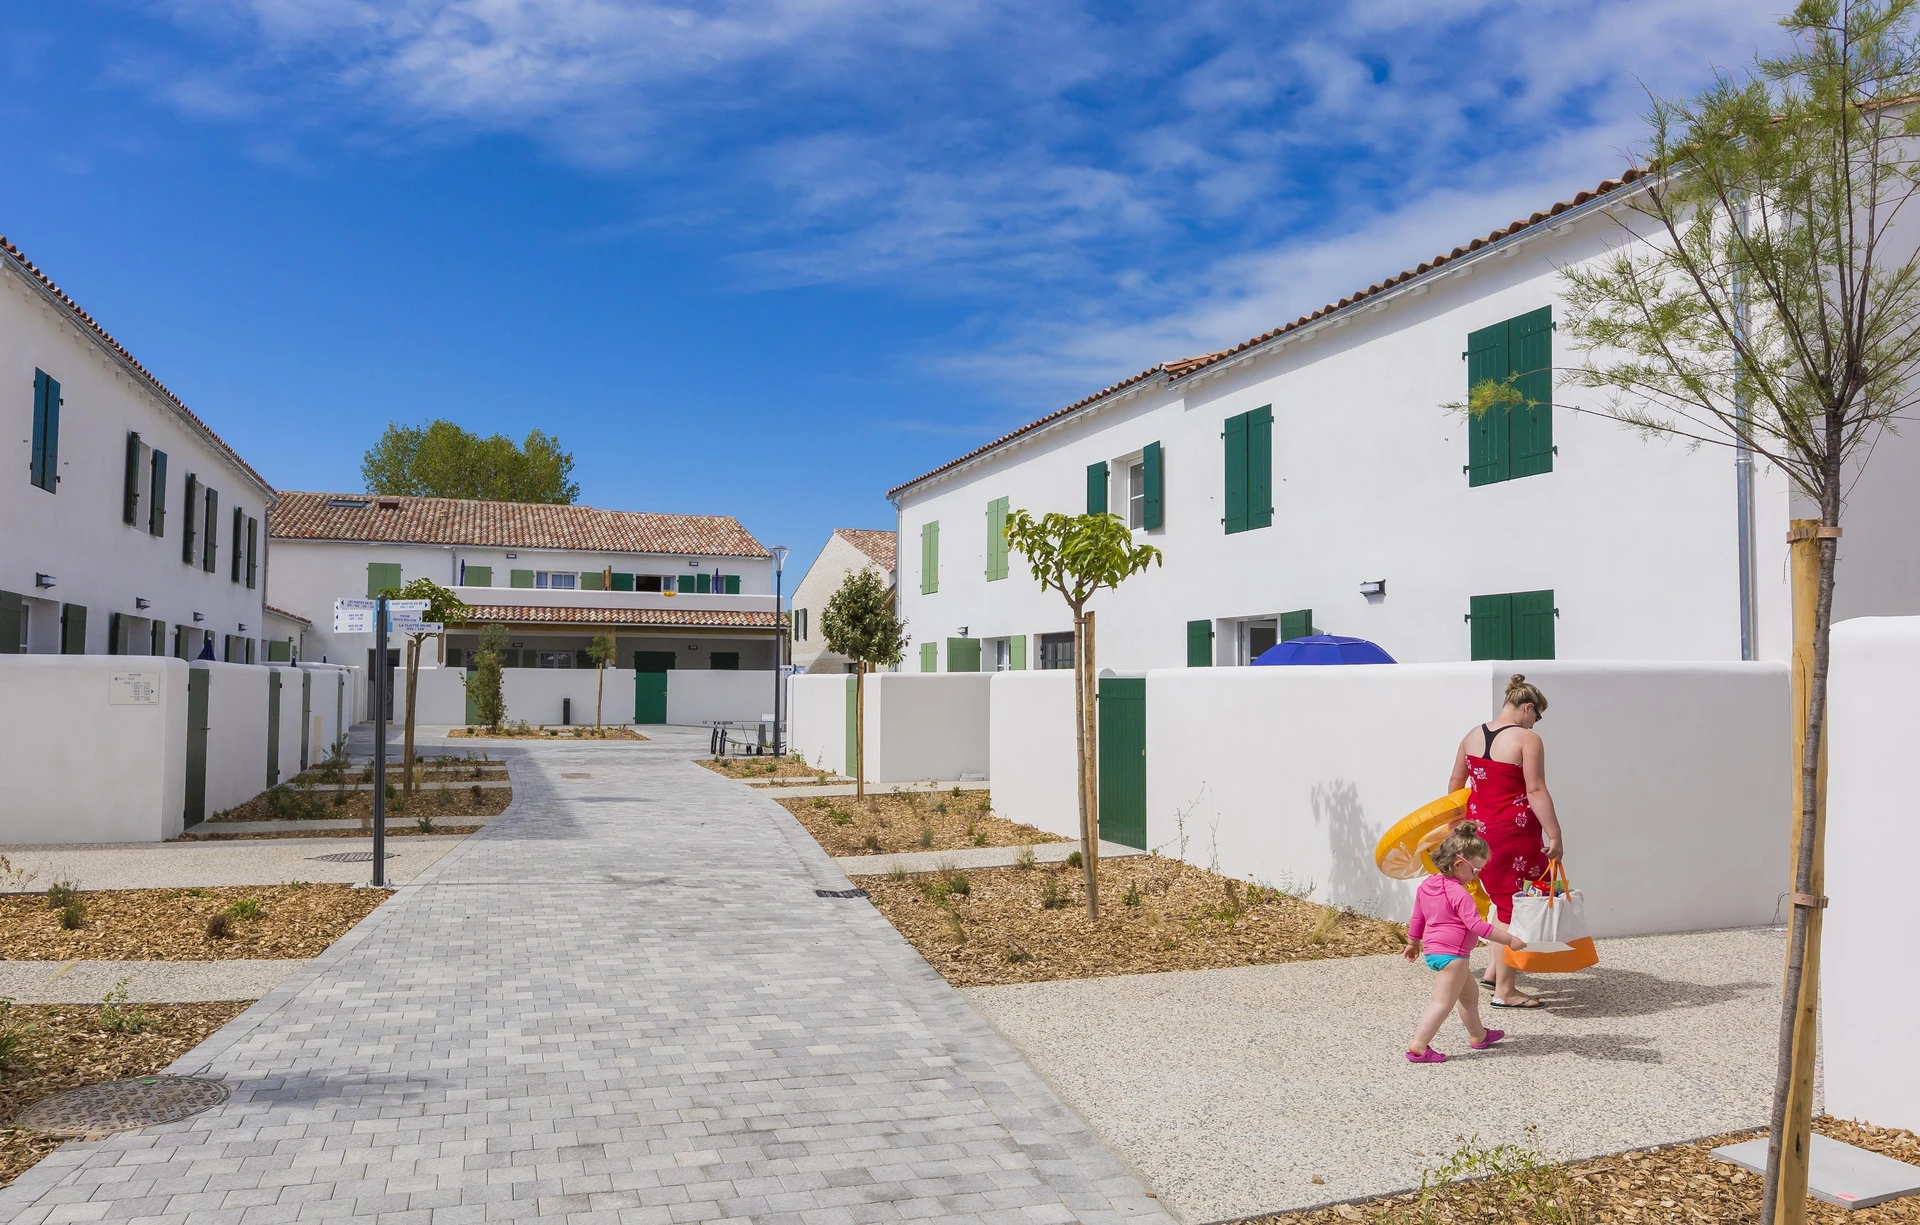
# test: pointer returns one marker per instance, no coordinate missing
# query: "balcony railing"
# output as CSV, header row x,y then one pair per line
x,y
551,597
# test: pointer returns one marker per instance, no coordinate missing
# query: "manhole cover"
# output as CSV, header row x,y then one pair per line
x,y
576,776
351,857
121,1105
840,893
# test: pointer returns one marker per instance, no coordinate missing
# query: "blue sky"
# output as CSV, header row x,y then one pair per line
x,y
771,257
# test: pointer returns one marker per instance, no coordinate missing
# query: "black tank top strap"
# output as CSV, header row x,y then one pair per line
x,y
1490,732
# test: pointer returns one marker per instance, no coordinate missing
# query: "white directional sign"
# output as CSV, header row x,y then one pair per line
x,y
353,616
402,625
408,606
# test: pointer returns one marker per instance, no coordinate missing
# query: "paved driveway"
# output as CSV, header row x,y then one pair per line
x,y
622,1002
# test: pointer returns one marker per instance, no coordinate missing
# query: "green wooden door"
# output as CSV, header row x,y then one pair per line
x,y
196,806
273,727
1123,760
853,727
306,718
650,697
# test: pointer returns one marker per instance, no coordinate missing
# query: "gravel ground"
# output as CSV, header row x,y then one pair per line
x,y
1231,1090
171,982
146,865
969,857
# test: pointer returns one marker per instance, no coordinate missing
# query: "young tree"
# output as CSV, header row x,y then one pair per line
x,y
1077,555
1770,302
442,606
601,652
859,622
484,684
441,460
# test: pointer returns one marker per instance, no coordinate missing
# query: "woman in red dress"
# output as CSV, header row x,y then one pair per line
x,y
1507,767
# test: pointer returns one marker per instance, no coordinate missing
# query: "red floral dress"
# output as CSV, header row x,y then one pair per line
x,y
1514,836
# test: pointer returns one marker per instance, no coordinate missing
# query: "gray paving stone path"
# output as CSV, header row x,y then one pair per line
x,y
623,1002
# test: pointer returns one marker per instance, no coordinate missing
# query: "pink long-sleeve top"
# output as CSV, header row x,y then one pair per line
x,y
1445,919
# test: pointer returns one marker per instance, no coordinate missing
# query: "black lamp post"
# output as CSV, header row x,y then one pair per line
x,y
779,552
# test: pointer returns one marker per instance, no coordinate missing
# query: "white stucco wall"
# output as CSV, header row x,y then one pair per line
x,y
333,705
1030,750
1869,995
1668,777
926,726
535,694
817,719
236,733
77,535
1637,540
80,768
696,696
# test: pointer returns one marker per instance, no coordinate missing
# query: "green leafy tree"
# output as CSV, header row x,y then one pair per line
x,y
859,622
1768,301
601,651
442,606
485,684
1077,555
442,460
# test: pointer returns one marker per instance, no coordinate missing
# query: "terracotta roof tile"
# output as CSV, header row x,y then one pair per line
x,y
691,618
512,525
288,616
1185,366
26,265
878,545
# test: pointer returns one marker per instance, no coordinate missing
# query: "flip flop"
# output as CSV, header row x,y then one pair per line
x,y
1485,982
1530,1001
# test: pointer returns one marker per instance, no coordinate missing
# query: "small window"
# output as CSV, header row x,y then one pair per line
x,y
556,659
1137,495
556,580
1002,654
647,582
1056,651
349,503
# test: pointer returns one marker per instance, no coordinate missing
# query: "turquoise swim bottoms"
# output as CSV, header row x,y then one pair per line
x,y
1440,961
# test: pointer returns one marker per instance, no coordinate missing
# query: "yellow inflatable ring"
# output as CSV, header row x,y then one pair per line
x,y
1403,852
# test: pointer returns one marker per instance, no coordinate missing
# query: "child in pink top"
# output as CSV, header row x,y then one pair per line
x,y
1447,924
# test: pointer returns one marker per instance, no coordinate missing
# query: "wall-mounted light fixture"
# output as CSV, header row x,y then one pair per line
x,y
141,601
243,627
512,556
43,580
199,617
516,645
1376,587
963,631
693,646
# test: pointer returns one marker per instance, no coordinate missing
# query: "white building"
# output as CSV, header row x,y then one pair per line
x,y
130,527
1309,479
677,591
848,550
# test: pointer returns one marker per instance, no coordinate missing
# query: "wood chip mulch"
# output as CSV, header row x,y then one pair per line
x,y
1677,1182
1182,918
436,799
908,821
766,767
171,924
544,733
63,1047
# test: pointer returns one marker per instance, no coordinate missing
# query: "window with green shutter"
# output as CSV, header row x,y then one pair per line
x,y
593,580
210,539
996,539
253,550
1097,488
1296,625
239,553
1505,443
703,583
1249,470
963,654
929,657
622,582
73,629
684,584
733,584
130,485
157,497
1017,653
44,467
382,575
1152,468
482,576
929,558
1199,644
189,508
519,578
1513,625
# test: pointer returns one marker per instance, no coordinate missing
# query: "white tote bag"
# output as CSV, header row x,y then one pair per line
x,y
1553,922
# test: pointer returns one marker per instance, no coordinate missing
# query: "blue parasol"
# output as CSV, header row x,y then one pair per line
x,y
1323,649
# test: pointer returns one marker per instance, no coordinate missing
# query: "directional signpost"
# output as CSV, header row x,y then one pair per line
x,y
360,617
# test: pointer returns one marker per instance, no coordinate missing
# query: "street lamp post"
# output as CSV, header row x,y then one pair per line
x,y
779,650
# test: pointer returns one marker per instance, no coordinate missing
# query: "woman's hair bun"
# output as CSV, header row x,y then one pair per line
x,y
1517,679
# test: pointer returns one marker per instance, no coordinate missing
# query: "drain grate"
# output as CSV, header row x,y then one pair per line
x,y
576,776
92,1111
839,893
351,857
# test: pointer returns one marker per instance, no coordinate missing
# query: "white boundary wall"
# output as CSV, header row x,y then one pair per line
x,y
926,726
1030,750
694,695
817,719
237,732
80,768
335,690
1868,1000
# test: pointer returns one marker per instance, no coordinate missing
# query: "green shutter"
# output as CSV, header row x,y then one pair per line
x,y
929,657
382,575
1487,434
189,508
130,485
1153,516
1097,488
1296,624
1533,617
13,612
159,642
929,558
482,576
280,651
45,463
113,634
684,584
1492,619
73,629
996,539
1017,653
1530,351
157,496
963,654
622,582
593,580
253,544
1199,644
1236,473
210,538
733,583
519,578
239,554
1260,467
703,583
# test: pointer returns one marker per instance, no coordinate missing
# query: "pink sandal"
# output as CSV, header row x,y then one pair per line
x,y
1493,1036
1428,1056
